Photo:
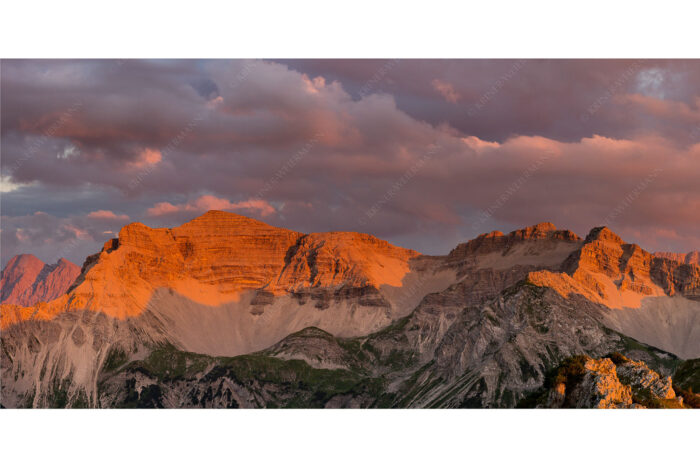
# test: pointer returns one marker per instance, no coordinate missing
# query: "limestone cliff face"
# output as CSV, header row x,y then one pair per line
x,y
26,280
617,274
655,300
604,253
343,258
539,242
491,262
214,258
676,278
209,259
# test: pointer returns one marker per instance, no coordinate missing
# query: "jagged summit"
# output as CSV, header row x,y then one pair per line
x,y
27,280
537,231
25,259
603,234
496,241
692,257
619,275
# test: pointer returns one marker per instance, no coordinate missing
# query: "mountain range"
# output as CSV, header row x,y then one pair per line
x,y
227,311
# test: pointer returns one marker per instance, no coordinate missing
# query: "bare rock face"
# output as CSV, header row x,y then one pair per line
x,y
605,254
676,278
216,257
210,259
344,258
601,388
653,299
620,275
317,348
688,258
643,381
26,280
538,242
18,277
585,382
491,262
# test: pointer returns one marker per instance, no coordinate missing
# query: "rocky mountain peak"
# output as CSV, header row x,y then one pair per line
x,y
496,241
541,230
24,260
603,234
607,270
215,257
26,280
688,258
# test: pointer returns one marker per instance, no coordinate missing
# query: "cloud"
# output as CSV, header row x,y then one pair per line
x,y
146,158
208,202
104,214
51,237
676,111
8,186
532,97
446,90
311,146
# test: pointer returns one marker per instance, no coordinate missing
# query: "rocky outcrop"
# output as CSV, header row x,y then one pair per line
x,y
610,383
318,349
600,387
26,280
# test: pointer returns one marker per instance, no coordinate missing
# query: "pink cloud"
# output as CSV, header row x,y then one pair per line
x,y
446,90
667,109
146,158
77,232
209,202
109,215
313,86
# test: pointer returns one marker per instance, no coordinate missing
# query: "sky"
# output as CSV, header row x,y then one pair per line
x,y
423,153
